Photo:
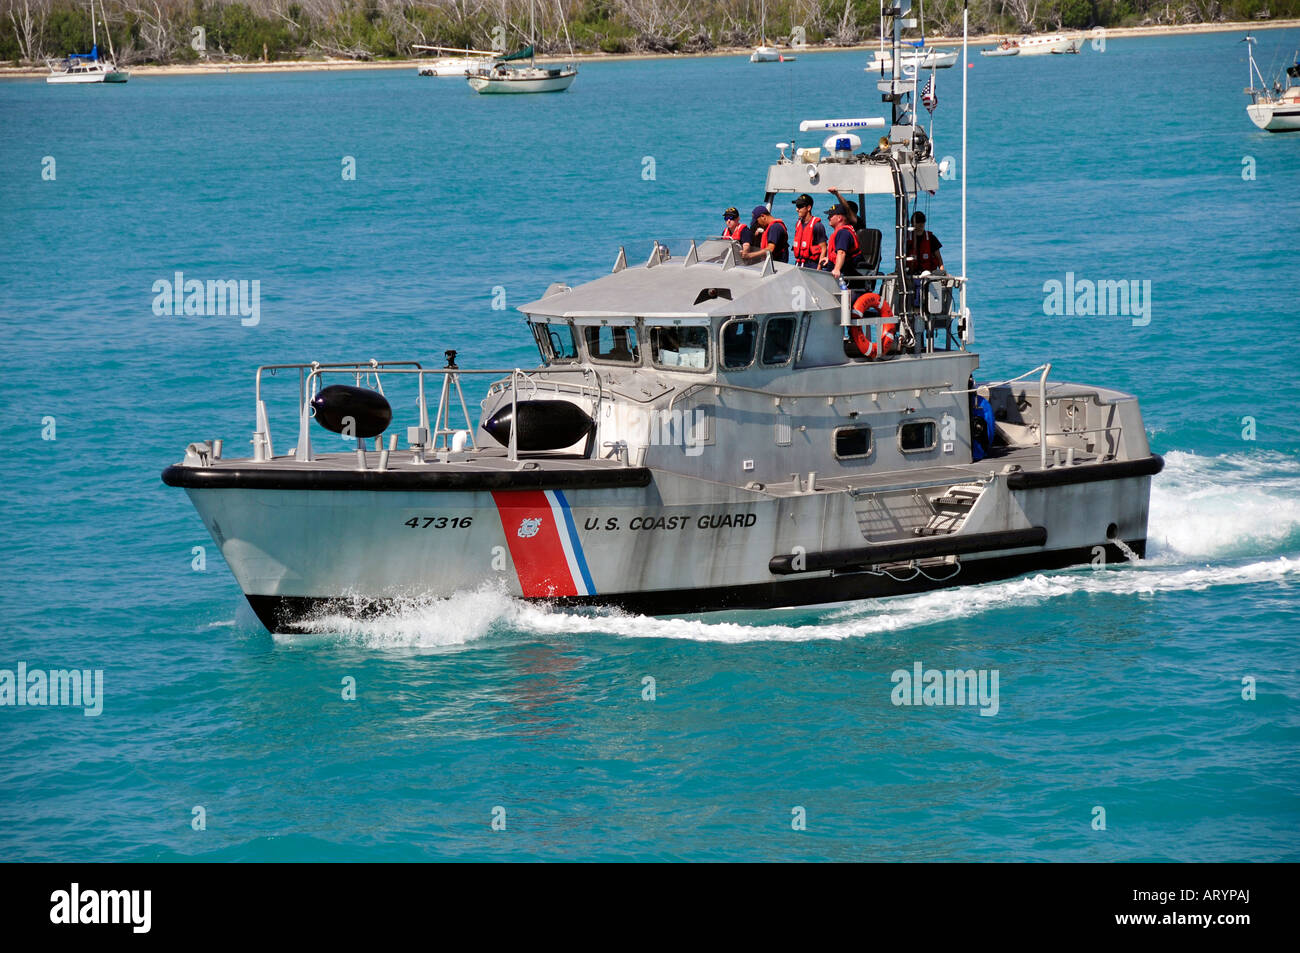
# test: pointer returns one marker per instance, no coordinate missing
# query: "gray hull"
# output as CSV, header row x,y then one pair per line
x,y
653,548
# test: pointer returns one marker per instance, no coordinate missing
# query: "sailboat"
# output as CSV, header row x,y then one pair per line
x,y
88,67
500,78
919,57
764,53
1277,110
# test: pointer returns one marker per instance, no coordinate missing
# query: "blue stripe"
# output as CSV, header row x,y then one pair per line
x,y
575,543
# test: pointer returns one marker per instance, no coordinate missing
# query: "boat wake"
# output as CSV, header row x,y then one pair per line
x,y
1234,509
1234,505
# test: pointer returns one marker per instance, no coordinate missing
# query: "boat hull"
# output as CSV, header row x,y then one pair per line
x,y
934,60
618,539
548,84
78,79
1045,45
1275,118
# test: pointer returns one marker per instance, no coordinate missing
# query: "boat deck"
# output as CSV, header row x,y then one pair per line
x,y
492,469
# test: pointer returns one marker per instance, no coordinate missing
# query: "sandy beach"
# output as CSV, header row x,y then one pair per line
x,y
327,64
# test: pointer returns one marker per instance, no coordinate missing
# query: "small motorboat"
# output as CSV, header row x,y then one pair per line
x,y
1005,48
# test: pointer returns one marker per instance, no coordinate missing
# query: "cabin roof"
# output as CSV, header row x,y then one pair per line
x,y
680,287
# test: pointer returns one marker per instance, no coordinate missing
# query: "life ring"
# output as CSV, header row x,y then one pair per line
x,y
861,338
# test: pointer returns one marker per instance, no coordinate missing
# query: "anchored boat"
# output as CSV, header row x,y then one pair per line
x,y
79,68
701,434
1278,109
498,77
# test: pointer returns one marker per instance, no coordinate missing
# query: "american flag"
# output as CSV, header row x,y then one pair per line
x,y
929,98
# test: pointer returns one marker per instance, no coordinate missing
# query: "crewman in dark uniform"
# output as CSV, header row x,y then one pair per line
x,y
775,240
809,235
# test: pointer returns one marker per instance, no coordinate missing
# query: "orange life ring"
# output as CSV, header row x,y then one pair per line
x,y
861,338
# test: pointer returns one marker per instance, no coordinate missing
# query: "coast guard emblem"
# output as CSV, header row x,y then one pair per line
x,y
529,527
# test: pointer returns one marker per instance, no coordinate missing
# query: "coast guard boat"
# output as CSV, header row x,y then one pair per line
x,y
701,434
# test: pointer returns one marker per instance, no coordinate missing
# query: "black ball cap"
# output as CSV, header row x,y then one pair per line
x,y
803,201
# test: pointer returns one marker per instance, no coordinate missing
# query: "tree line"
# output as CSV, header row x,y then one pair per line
x,y
181,31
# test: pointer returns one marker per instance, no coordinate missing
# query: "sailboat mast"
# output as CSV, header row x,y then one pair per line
x,y
94,32
532,32
112,55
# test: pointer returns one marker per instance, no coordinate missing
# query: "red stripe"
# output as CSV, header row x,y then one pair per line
x,y
539,559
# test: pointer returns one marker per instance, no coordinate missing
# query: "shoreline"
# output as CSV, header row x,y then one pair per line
x,y
329,64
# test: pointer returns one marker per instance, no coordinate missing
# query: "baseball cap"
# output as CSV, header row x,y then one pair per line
x,y
731,213
836,210
803,201
760,210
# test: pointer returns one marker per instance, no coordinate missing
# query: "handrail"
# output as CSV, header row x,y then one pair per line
x,y
724,385
451,375
262,448
1042,416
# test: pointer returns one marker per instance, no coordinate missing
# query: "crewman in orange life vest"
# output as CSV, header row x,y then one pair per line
x,y
733,229
775,241
809,235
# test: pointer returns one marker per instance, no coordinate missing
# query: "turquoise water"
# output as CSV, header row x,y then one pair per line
x,y
1119,689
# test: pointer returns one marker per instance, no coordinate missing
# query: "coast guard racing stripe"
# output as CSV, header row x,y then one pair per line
x,y
544,544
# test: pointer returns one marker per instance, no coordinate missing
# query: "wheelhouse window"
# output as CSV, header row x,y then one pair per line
x,y
916,435
739,341
778,339
616,343
557,342
852,443
684,347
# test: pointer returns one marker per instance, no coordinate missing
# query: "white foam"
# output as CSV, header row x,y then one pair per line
x,y
469,617
421,623
1236,504
877,616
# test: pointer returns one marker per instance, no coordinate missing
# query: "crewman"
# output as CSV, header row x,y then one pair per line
x,y
732,228
922,247
775,240
871,305
850,209
809,235
922,255
843,256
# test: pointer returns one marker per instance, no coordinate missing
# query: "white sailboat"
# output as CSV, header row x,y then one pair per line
x,y
88,67
1278,109
453,67
764,53
1052,43
917,57
923,57
502,78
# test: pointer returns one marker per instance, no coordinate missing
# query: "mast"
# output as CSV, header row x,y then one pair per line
x,y
762,20
112,55
532,33
969,335
94,32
